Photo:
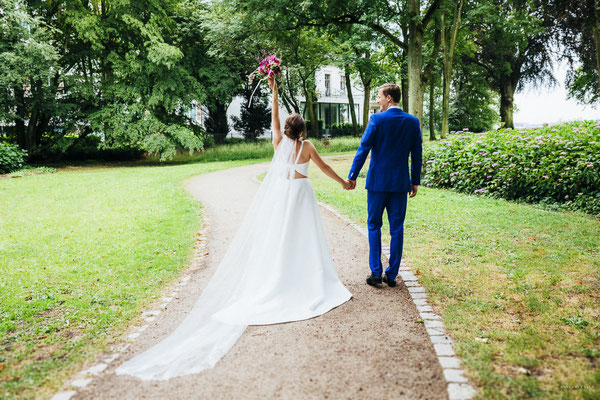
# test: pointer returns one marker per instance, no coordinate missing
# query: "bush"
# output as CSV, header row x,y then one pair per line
x,y
555,164
343,129
89,148
12,157
308,127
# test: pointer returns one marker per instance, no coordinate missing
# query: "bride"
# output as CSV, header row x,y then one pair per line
x,y
277,269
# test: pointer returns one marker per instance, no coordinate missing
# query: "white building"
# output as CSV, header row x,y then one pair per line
x,y
333,104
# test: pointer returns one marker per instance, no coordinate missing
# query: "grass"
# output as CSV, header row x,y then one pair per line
x,y
82,251
518,286
260,149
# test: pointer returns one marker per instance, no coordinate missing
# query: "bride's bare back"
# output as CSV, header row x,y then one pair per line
x,y
308,152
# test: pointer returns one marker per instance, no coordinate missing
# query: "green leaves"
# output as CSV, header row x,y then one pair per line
x,y
11,158
553,165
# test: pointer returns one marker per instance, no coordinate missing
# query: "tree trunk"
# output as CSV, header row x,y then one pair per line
x,y
290,95
404,83
286,103
445,101
404,72
416,32
367,104
351,101
30,142
20,120
415,59
315,122
312,116
597,40
431,110
309,88
447,60
366,81
507,93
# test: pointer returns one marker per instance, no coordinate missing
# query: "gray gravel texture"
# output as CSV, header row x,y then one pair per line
x,y
368,348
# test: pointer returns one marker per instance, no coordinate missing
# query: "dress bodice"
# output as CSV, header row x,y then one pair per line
x,y
301,168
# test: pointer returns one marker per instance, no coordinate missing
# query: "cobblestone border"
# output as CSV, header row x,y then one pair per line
x,y
458,385
85,377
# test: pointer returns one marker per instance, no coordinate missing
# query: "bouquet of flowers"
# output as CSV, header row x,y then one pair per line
x,y
269,67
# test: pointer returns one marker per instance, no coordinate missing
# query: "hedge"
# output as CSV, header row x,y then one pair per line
x,y
554,164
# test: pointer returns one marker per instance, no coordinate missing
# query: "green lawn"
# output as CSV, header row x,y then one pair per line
x,y
522,278
82,251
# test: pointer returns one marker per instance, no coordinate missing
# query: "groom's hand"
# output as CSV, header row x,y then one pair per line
x,y
414,189
352,184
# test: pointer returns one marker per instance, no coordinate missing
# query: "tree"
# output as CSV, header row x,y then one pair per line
x,y
576,24
449,34
473,106
354,47
512,47
27,86
403,24
254,118
123,70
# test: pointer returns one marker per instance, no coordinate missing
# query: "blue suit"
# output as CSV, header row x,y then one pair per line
x,y
391,136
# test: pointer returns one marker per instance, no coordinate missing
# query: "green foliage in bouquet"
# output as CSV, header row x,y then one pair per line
x,y
554,164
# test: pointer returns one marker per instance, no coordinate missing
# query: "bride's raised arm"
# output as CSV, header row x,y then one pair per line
x,y
275,113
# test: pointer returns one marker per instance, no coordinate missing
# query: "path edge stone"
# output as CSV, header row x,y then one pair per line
x,y
457,384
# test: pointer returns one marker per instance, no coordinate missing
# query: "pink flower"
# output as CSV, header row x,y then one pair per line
x,y
268,67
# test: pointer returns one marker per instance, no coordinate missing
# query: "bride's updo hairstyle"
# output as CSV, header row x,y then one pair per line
x,y
294,126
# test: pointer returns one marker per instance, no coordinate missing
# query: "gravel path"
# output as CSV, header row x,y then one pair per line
x,y
368,348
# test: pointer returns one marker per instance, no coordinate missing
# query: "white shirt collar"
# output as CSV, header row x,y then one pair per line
x,y
398,107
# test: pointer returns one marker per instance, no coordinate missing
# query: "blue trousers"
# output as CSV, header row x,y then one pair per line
x,y
395,204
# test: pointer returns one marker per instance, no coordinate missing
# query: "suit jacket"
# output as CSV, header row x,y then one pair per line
x,y
391,136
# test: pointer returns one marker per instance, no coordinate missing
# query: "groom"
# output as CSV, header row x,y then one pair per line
x,y
391,135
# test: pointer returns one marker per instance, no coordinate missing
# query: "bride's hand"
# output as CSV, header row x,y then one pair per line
x,y
272,83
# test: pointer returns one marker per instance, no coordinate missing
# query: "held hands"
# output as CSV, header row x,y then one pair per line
x,y
349,185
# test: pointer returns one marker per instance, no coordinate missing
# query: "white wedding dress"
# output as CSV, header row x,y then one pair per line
x,y
278,268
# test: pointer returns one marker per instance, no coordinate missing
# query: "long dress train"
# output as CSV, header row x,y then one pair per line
x,y
278,268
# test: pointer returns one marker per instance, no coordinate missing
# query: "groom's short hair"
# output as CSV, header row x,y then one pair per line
x,y
391,89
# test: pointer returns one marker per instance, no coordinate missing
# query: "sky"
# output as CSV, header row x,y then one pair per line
x,y
550,105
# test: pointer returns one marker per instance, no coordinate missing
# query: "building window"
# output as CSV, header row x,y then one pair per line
x,y
327,84
331,113
343,84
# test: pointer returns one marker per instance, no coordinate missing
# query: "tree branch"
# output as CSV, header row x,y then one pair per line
x,y
430,12
393,38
